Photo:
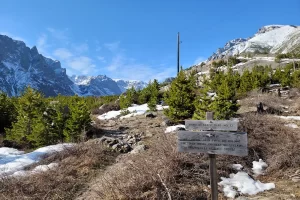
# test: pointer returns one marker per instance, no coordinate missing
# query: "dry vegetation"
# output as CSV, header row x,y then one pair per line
x,y
76,166
273,104
160,172
156,173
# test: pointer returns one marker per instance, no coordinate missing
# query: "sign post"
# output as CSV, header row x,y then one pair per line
x,y
212,167
212,137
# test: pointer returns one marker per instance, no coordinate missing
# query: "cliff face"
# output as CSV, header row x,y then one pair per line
x,y
21,66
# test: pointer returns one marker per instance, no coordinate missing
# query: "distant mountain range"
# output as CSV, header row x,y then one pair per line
x,y
21,66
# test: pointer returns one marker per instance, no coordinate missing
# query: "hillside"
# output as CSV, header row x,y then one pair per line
x,y
259,49
271,39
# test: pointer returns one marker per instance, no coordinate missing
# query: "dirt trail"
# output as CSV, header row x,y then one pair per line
x,y
138,125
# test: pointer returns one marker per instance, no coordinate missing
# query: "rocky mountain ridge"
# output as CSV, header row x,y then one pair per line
x,y
271,39
21,66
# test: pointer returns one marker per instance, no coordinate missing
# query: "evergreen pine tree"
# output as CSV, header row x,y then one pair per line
x,y
29,125
8,112
296,79
202,104
154,89
246,84
225,104
286,78
78,122
180,97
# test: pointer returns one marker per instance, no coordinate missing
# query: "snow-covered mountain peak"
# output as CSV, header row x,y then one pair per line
x,y
267,28
269,39
127,84
81,79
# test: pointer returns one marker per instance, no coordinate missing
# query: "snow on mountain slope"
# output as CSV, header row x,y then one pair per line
x,y
270,39
124,85
21,66
100,85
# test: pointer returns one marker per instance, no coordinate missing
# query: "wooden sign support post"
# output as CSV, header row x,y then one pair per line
x,y
212,137
212,168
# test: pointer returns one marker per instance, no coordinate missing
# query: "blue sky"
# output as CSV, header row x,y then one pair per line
x,y
136,39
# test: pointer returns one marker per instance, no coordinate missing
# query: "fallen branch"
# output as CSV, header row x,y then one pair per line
x,y
167,189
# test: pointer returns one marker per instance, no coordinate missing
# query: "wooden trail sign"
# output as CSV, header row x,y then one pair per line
x,y
216,125
211,138
229,143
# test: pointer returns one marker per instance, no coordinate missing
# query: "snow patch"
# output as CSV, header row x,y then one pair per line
x,y
37,169
292,125
290,117
242,183
259,167
134,111
5,151
12,160
237,167
171,129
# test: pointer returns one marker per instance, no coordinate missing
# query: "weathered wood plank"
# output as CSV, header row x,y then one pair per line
x,y
212,142
217,125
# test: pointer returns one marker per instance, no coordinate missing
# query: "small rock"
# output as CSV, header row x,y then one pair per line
x,y
125,148
132,141
138,149
296,177
115,147
180,129
149,134
123,128
111,123
166,122
150,114
109,140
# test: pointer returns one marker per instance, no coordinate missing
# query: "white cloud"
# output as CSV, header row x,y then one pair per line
x,y
81,48
101,58
59,34
81,65
116,62
113,47
129,69
42,45
199,60
42,40
62,53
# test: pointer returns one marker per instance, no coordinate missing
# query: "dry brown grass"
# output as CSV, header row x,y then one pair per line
x,y
268,99
270,140
156,173
76,165
185,176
